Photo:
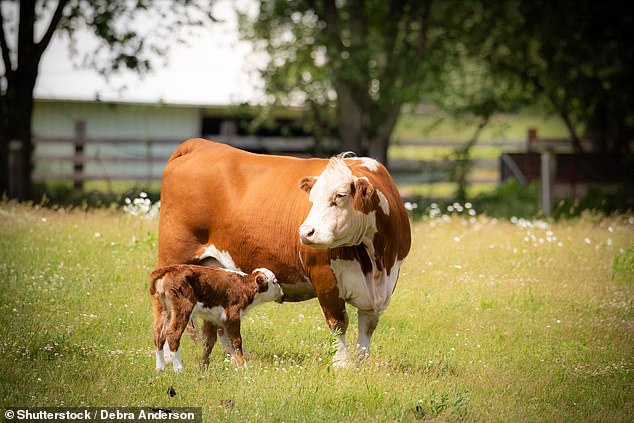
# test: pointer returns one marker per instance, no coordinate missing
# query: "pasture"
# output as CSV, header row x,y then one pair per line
x,y
492,320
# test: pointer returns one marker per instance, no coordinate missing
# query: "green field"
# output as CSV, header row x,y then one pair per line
x,y
491,321
501,128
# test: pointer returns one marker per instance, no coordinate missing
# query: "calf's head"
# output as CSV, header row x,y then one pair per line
x,y
269,288
343,206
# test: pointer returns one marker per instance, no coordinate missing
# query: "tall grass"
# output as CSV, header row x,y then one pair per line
x,y
492,320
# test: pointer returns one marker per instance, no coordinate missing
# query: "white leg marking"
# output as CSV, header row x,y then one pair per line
x,y
341,358
368,321
160,361
178,364
168,354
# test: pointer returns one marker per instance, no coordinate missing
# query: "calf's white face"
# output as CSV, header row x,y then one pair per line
x,y
269,288
341,208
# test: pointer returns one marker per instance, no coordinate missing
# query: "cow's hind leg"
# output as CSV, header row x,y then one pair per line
x,y
368,320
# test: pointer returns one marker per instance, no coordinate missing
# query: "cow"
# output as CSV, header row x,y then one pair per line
x,y
181,293
335,229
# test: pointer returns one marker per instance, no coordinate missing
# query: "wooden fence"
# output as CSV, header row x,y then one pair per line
x,y
83,159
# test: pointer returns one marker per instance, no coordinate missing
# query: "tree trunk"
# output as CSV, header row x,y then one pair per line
x,y
350,117
4,146
381,134
576,142
17,100
377,148
463,163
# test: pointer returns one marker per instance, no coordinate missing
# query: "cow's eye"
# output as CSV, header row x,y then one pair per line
x,y
336,201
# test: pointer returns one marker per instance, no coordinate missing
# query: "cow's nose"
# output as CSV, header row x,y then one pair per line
x,y
307,233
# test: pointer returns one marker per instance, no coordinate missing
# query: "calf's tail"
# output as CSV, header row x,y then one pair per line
x,y
155,276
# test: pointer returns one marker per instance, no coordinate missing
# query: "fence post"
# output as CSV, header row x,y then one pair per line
x,y
531,139
548,164
16,167
78,160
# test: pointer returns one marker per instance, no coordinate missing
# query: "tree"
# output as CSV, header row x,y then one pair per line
x,y
461,84
123,44
361,57
574,56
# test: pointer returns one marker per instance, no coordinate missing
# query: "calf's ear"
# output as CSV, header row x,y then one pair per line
x,y
262,282
364,198
306,184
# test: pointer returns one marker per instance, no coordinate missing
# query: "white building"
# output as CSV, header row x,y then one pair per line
x,y
83,140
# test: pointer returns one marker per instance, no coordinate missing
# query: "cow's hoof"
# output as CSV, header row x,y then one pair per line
x,y
160,369
341,364
178,369
360,354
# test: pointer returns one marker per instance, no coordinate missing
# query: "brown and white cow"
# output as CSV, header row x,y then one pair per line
x,y
341,236
220,297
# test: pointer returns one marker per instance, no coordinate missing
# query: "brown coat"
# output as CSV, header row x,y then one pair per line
x,y
218,295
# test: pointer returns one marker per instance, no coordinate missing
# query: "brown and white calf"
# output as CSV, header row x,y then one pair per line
x,y
220,297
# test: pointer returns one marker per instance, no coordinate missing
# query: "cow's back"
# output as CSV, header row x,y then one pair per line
x,y
216,197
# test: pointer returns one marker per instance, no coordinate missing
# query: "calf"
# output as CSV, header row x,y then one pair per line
x,y
219,296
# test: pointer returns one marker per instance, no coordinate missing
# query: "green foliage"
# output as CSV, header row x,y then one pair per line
x,y
595,199
332,348
98,196
575,57
509,199
124,44
360,58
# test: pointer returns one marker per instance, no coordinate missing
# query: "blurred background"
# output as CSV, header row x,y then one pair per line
x,y
516,108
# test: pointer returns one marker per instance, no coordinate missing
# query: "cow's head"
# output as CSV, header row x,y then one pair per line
x,y
343,208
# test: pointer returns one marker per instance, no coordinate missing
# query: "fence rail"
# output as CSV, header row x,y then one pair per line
x,y
85,159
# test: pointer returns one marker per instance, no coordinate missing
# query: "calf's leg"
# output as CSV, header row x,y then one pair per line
x,y
160,323
210,333
181,310
232,326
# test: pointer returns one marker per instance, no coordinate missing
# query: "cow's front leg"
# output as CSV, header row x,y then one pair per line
x,y
368,320
334,309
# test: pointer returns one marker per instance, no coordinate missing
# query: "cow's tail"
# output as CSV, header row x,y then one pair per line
x,y
187,147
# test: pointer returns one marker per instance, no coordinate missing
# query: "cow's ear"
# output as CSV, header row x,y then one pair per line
x,y
364,198
262,282
306,184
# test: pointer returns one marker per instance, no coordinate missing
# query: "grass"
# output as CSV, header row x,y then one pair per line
x,y
492,320
501,127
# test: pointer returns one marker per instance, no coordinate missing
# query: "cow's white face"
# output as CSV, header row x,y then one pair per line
x,y
343,207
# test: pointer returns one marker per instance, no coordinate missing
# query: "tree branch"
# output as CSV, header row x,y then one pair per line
x,y
46,39
6,54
